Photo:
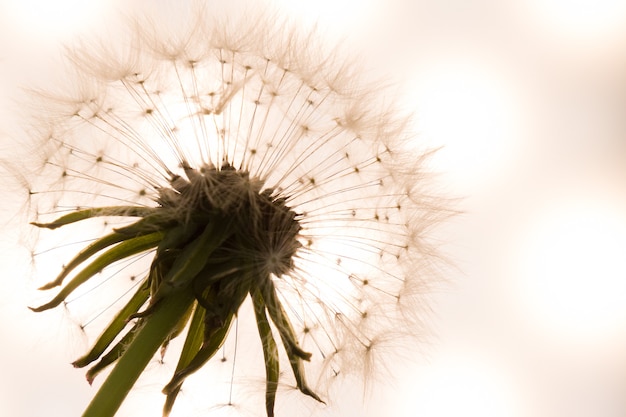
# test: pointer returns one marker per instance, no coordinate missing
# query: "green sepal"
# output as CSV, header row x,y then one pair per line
x,y
270,353
153,331
116,325
178,236
83,255
209,347
114,354
120,347
170,247
123,250
193,258
78,215
180,327
192,345
288,336
158,219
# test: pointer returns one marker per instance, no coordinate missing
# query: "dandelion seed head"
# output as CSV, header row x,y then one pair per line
x,y
265,128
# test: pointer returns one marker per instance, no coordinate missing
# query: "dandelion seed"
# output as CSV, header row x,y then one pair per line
x,y
245,166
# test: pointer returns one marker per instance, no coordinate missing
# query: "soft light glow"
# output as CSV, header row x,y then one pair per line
x,y
460,385
583,18
337,11
572,271
54,18
468,108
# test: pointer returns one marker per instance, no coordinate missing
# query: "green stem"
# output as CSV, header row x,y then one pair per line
x,y
131,364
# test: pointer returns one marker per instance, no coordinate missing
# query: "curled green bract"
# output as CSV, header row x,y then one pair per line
x,y
207,261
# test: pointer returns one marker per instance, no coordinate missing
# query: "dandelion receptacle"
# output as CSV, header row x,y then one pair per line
x,y
242,163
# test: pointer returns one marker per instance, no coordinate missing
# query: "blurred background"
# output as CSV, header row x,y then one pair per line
x,y
527,99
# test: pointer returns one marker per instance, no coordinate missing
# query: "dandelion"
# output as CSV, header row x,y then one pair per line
x,y
233,163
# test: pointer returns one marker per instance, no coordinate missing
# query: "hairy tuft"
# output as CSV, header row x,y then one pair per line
x,y
252,118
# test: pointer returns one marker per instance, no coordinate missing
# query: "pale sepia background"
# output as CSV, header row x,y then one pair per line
x,y
528,100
